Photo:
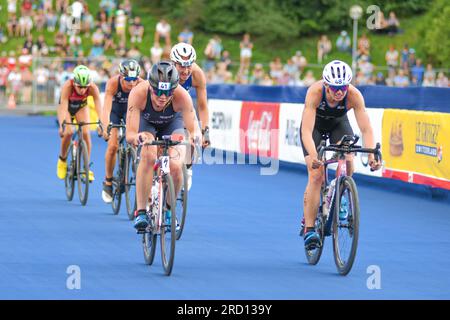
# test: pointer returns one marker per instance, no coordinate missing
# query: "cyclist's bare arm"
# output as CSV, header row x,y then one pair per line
x,y
312,100
111,89
63,107
356,100
136,104
202,103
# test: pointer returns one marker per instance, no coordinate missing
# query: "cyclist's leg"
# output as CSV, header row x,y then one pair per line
x,y
343,128
311,198
177,154
83,116
144,173
67,136
113,146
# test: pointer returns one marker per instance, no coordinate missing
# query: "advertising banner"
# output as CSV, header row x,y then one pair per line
x,y
290,147
415,145
259,129
224,121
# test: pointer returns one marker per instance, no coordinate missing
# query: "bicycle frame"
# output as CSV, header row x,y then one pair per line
x,y
347,145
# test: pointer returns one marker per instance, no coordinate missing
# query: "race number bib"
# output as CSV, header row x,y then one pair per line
x,y
164,86
165,165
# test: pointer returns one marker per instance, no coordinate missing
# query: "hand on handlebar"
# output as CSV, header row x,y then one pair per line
x,y
142,138
374,164
316,164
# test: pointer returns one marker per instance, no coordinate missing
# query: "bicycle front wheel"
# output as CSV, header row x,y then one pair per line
x,y
130,182
182,199
168,228
83,172
117,184
69,181
345,225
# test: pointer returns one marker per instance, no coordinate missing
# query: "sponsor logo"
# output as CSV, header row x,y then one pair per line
x,y
426,140
292,137
220,121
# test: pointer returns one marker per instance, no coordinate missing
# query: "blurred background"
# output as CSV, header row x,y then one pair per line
x,y
275,42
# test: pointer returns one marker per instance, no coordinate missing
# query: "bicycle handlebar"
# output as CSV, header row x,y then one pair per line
x,y
350,148
112,126
81,124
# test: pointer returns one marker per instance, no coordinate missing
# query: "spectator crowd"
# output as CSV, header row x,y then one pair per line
x,y
73,26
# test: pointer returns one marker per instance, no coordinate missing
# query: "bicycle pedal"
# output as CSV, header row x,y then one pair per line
x,y
141,231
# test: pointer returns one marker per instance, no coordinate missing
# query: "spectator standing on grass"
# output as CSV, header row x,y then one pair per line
x,y
51,20
162,32
258,74
379,80
41,47
300,61
364,45
136,30
404,56
246,46
40,20
309,78
121,50
12,25
343,43
429,72
276,70
121,23
401,80
418,71
391,57
323,48
156,52
186,36
442,80
226,59
12,8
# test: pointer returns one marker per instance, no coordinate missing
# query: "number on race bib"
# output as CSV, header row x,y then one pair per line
x,y
164,86
165,165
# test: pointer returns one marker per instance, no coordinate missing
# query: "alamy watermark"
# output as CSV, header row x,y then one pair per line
x,y
73,281
373,22
374,280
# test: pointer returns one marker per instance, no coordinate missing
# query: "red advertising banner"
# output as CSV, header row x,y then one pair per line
x,y
259,128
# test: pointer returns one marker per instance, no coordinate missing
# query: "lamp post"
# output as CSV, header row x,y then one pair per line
x,y
355,13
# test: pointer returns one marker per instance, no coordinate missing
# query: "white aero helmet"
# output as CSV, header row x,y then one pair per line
x,y
337,73
183,53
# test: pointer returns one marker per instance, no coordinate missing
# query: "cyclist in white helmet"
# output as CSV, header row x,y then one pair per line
x,y
183,55
326,105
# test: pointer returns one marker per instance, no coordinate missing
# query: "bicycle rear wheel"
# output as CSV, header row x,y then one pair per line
x,y
117,182
130,182
346,225
69,181
168,231
182,199
83,172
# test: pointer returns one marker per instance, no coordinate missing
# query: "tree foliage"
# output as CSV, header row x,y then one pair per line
x,y
276,19
436,33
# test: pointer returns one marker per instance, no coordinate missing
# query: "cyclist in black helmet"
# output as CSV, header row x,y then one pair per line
x,y
159,107
115,108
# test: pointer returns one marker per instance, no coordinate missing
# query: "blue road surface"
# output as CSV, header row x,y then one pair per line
x,y
240,242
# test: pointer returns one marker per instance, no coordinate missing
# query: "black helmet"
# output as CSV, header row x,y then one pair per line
x,y
162,74
129,68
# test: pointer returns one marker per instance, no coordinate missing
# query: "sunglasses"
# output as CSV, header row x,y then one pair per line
x,y
81,87
130,79
337,88
160,92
